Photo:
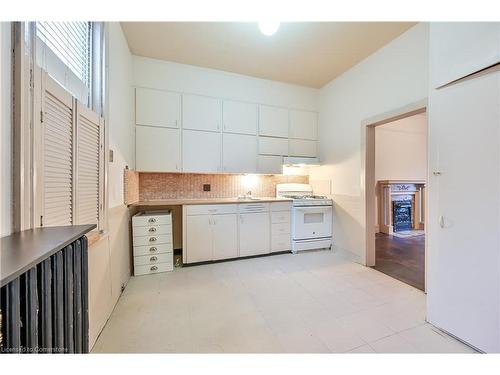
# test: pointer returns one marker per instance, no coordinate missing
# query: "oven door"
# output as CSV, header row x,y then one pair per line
x,y
312,222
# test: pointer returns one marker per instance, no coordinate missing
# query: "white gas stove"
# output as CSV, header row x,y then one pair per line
x,y
311,217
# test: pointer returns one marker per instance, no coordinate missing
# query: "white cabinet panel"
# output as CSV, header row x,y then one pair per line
x,y
239,117
273,121
201,112
461,48
270,164
273,146
157,149
157,108
464,250
254,234
198,238
300,147
303,124
225,236
201,151
239,153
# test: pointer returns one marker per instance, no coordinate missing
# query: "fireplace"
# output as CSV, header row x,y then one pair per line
x,y
402,215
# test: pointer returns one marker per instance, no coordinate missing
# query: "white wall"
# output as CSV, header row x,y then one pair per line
x,y
192,79
401,149
392,77
5,130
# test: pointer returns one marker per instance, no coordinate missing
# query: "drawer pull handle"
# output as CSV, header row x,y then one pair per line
x,y
152,220
152,239
152,249
152,230
153,259
154,268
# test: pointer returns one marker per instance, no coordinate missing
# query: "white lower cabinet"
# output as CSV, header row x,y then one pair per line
x,y
254,233
281,239
199,238
225,236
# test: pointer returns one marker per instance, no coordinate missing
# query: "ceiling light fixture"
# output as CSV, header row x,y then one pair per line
x,y
269,28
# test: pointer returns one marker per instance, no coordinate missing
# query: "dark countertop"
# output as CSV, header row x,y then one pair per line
x,y
23,250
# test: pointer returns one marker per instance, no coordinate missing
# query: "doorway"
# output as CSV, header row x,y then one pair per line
x,y
395,191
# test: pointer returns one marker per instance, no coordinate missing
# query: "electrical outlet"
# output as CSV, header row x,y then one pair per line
x,y
206,187
111,156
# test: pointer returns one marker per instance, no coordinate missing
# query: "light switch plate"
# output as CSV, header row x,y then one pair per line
x,y
111,156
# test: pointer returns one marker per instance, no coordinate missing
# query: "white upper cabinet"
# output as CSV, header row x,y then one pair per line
x,y
239,153
273,121
461,48
273,146
239,117
201,151
157,149
201,113
303,124
301,147
270,164
157,108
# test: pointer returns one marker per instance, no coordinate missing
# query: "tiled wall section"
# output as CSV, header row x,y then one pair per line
x,y
130,186
154,186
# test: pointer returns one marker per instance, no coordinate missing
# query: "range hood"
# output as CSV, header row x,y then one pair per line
x,y
301,162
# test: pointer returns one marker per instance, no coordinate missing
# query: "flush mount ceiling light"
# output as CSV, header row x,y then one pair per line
x,y
269,28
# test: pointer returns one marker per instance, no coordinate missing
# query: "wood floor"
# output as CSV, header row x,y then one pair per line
x,y
401,258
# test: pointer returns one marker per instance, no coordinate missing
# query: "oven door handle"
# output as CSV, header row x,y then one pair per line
x,y
313,210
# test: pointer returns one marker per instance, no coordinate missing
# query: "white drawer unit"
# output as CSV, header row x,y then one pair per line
x,y
253,207
280,242
153,243
281,226
280,217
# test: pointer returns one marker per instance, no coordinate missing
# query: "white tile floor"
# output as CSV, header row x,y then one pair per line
x,y
316,302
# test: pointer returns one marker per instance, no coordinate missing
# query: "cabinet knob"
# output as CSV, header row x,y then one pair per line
x,y
152,239
152,230
154,268
152,220
153,259
152,249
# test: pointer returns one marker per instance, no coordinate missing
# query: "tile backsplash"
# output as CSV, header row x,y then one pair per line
x,y
157,186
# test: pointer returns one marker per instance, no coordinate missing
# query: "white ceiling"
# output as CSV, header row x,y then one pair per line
x,y
304,53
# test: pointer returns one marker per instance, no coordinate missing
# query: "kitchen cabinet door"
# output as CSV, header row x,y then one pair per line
x,y
270,164
157,108
157,149
199,238
300,147
463,291
225,236
303,124
458,49
239,153
273,146
201,113
239,117
273,121
255,233
201,151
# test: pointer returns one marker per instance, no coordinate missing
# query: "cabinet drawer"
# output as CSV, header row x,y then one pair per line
x,y
148,219
253,207
281,243
152,240
281,206
280,217
279,229
156,268
152,259
273,146
153,230
300,147
153,249
211,209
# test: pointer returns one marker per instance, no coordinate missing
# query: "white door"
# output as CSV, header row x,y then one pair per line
x,y
463,241
270,164
225,236
254,234
301,147
201,112
273,121
201,151
157,108
239,117
303,124
239,153
157,149
199,238
273,146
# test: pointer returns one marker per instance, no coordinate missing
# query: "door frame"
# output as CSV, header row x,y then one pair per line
x,y
368,171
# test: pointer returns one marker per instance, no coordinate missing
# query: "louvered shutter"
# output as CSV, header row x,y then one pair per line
x,y
58,123
89,165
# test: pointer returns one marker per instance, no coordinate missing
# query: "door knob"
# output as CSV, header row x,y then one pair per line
x,y
436,173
